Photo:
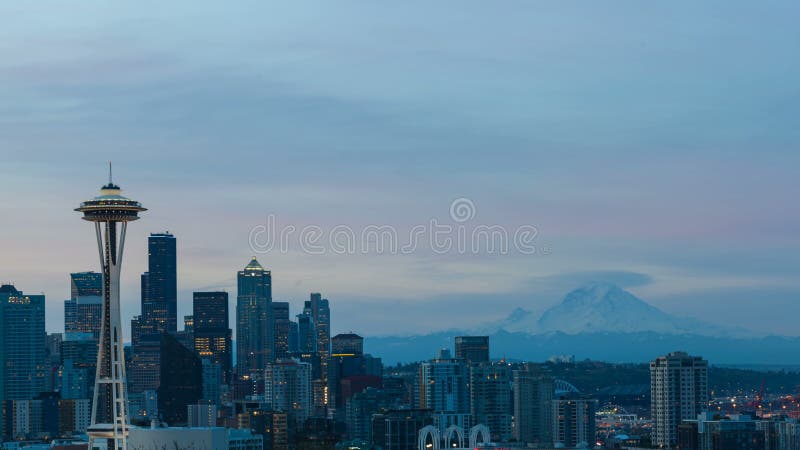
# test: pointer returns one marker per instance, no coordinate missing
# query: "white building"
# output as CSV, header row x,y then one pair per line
x,y
678,391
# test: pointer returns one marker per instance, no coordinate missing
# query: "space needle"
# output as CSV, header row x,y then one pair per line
x,y
110,212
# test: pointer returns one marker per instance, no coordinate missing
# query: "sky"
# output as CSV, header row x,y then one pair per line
x,y
650,144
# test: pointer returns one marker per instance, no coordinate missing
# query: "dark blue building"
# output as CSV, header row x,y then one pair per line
x,y
211,330
160,284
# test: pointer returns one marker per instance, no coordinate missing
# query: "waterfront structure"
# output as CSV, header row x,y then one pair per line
x,y
110,212
254,325
678,391
473,349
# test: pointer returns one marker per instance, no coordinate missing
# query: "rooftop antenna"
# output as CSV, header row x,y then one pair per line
x,y
109,172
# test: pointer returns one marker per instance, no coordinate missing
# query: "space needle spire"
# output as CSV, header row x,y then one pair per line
x,y
110,212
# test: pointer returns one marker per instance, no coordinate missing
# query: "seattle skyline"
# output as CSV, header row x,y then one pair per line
x,y
682,196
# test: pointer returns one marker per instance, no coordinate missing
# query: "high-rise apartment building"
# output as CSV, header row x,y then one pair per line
x,y
254,325
443,387
573,417
490,398
678,391
211,330
533,397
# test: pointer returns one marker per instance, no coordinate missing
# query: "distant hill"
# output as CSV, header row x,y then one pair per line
x,y
613,347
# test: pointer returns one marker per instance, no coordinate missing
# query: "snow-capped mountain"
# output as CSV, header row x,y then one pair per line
x,y
604,307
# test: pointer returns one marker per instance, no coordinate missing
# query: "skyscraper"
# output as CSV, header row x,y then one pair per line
x,y
254,327
160,288
533,396
321,315
159,314
678,391
181,380
473,349
109,408
283,326
317,307
22,344
212,333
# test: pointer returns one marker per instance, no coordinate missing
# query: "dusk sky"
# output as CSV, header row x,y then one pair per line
x,y
655,145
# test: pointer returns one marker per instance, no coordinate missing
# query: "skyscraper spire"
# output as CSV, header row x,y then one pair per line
x,y
109,172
